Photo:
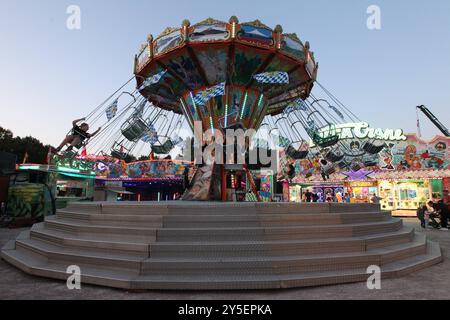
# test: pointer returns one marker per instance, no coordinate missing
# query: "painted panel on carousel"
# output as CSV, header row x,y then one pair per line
x,y
234,106
214,63
310,64
142,58
255,35
219,106
155,169
248,108
245,64
167,42
167,85
210,32
292,47
192,107
185,68
110,168
282,66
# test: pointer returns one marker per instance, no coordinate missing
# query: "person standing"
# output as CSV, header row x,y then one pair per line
x,y
308,195
421,215
375,199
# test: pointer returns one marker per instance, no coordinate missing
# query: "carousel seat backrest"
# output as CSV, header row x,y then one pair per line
x,y
332,157
372,149
134,128
165,148
296,154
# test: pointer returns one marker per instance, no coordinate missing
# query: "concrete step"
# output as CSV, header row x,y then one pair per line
x,y
69,256
277,233
121,244
115,232
213,249
263,264
186,207
232,220
219,246
279,247
154,221
265,220
130,280
284,264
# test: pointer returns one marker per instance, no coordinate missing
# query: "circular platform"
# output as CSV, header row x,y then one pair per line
x,y
219,246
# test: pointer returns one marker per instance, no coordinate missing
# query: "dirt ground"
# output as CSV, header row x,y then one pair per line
x,y
432,283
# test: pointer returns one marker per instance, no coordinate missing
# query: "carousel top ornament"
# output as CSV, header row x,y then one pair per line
x,y
225,74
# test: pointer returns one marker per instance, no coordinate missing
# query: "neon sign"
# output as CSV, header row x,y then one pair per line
x,y
362,130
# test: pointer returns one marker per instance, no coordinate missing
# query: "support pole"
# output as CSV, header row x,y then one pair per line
x,y
223,188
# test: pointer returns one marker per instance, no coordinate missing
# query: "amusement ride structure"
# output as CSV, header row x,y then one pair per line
x,y
224,75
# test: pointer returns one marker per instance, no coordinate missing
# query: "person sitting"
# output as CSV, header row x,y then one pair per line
x,y
78,135
431,215
442,210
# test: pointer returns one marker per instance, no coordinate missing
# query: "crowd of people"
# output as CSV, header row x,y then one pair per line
x,y
338,197
434,214
311,196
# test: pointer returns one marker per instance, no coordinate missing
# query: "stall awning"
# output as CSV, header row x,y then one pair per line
x,y
118,191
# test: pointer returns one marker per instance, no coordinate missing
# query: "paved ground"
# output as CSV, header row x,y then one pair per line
x,y
432,283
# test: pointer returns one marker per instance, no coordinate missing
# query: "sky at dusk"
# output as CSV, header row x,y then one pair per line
x,y
50,75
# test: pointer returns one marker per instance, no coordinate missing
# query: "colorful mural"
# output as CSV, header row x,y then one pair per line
x,y
415,153
252,34
412,157
112,168
210,32
293,46
167,42
214,63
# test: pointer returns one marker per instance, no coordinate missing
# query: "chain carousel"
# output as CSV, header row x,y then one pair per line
x,y
224,75
228,76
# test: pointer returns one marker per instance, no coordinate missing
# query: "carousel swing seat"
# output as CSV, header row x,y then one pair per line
x,y
332,157
296,154
355,167
323,141
134,128
372,149
164,148
329,171
119,151
370,163
342,165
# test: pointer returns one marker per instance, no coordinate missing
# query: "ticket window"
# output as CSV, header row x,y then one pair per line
x,y
410,195
65,189
363,194
295,193
387,195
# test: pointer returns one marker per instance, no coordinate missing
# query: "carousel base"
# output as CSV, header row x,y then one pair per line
x,y
220,246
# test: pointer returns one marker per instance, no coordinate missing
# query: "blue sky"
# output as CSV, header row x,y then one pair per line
x,y
50,75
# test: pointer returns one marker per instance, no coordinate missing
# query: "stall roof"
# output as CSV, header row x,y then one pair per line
x,y
118,191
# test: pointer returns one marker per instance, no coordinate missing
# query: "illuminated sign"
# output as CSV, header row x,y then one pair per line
x,y
362,130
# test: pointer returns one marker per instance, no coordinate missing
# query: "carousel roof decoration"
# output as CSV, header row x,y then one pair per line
x,y
258,65
225,75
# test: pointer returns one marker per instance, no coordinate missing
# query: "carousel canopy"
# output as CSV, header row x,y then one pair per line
x,y
225,73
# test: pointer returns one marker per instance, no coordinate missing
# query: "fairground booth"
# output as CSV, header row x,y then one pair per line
x,y
151,180
407,173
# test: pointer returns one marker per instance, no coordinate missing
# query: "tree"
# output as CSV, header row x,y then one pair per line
x,y
36,150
